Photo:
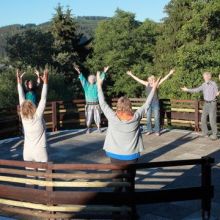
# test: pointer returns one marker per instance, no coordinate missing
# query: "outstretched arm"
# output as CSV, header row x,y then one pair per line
x,y
145,83
108,112
20,88
43,100
140,112
81,76
194,90
167,76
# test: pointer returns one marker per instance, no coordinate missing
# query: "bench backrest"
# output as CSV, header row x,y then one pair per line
x,y
80,190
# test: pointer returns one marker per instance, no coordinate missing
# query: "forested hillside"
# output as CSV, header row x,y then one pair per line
x,y
87,26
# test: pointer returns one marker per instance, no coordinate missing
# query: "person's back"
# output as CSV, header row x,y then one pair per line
x,y
123,136
33,124
123,139
34,131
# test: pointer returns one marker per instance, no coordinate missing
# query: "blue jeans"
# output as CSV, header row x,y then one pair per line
x,y
155,109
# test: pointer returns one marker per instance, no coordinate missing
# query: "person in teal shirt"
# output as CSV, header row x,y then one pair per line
x,y
92,108
31,89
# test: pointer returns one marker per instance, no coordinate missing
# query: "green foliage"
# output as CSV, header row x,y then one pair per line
x,y
190,41
31,47
8,92
86,26
66,40
123,43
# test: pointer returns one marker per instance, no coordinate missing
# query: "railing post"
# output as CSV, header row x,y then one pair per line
x,y
131,179
54,116
207,187
49,189
197,115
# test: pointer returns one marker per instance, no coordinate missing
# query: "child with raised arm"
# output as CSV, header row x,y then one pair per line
x,y
210,91
123,142
92,108
35,141
155,105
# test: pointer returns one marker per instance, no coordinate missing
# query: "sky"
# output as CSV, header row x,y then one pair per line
x,y
40,11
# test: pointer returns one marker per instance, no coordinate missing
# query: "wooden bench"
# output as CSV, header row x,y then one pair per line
x,y
64,191
88,191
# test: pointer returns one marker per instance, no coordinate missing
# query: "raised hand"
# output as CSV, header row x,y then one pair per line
x,y
44,78
172,71
184,89
129,73
19,76
76,68
99,79
106,69
37,73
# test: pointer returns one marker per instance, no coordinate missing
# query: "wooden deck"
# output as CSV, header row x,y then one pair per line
x,y
75,146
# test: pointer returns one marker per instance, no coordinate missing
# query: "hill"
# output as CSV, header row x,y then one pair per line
x,y
87,26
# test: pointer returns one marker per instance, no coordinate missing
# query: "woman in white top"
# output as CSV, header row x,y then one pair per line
x,y
35,141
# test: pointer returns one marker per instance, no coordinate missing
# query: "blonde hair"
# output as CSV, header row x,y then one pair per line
x,y
28,110
124,105
207,73
152,77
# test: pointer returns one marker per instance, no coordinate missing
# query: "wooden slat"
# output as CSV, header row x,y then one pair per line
x,y
64,175
90,166
95,184
63,208
16,163
64,197
60,215
102,166
23,194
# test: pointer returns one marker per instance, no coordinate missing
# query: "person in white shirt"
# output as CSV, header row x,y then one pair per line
x,y
35,141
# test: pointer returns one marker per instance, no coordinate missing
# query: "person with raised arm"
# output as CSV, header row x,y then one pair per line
x,y
155,105
210,91
92,108
35,141
30,88
123,142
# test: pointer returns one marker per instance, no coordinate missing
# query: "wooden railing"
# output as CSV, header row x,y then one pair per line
x,y
61,115
67,191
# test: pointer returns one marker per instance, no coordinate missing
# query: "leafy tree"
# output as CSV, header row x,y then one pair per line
x,y
8,92
31,47
189,40
66,40
123,43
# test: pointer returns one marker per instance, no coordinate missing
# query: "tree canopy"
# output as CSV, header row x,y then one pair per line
x,y
187,39
124,43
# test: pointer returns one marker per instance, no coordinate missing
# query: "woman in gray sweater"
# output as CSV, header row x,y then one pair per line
x,y
123,142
